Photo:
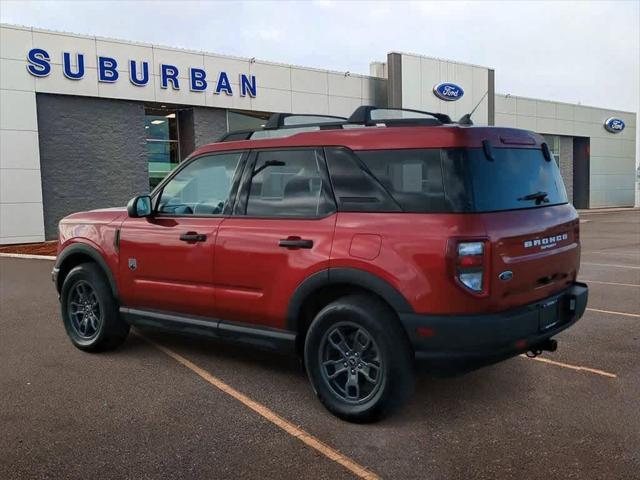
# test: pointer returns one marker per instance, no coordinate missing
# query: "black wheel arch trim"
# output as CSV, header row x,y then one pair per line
x,y
94,254
344,276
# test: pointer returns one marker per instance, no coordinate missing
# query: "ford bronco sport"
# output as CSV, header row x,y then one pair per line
x,y
360,244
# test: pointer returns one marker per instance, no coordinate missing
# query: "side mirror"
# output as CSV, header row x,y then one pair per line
x,y
139,206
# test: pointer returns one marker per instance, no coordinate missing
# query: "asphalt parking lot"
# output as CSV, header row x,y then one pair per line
x,y
185,410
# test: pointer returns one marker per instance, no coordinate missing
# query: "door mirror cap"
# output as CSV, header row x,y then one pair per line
x,y
139,206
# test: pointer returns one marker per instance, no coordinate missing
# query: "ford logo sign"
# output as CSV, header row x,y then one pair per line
x,y
614,125
448,91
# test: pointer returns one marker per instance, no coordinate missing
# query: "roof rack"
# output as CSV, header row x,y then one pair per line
x,y
373,116
287,124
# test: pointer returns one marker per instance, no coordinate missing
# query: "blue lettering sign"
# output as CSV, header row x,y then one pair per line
x,y
39,65
66,66
247,85
107,70
74,68
223,84
197,80
169,73
133,73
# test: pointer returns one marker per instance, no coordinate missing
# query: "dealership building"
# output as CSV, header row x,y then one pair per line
x,y
89,122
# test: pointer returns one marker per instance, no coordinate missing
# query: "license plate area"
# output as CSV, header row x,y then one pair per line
x,y
549,314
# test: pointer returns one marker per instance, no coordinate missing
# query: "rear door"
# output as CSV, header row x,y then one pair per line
x,y
281,232
533,230
167,260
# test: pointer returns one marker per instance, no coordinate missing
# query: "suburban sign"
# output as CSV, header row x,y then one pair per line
x,y
448,91
73,68
614,125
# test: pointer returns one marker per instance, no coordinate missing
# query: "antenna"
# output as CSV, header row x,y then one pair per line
x,y
466,118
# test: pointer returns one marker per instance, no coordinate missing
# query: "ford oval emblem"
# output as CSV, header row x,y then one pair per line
x,y
506,275
614,125
448,91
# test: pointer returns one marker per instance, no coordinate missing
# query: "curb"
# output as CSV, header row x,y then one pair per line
x,y
27,256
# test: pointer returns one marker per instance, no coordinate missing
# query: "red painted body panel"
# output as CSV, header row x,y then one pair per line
x,y
255,278
170,274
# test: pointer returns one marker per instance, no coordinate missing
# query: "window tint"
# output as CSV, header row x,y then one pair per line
x,y
289,183
356,189
202,187
412,177
515,174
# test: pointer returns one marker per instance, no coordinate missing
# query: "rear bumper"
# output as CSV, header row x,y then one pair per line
x,y
497,335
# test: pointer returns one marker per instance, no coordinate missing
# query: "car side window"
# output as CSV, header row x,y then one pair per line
x,y
289,183
202,187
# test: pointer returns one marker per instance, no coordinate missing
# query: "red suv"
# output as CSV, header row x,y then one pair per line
x,y
360,244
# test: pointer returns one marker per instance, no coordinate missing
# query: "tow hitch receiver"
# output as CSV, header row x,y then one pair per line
x,y
549,345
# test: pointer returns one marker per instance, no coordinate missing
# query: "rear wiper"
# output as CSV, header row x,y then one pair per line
x,y
539,197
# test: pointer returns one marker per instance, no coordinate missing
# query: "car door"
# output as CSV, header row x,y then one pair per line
x,y
167,259
281,232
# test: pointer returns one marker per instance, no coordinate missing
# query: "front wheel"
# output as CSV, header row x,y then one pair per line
x,y
358,359
89,311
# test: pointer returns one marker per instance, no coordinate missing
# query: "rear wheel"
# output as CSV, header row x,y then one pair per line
x,y
89,311
358,359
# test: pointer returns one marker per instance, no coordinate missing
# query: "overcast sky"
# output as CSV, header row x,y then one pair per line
x,y
585,52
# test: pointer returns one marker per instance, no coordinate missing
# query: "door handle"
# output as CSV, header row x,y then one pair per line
x,y
193,237
295,242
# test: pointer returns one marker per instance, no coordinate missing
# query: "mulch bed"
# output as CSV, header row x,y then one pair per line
x,y
44,248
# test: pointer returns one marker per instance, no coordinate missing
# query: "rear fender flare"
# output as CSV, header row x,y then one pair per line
x,y
344,276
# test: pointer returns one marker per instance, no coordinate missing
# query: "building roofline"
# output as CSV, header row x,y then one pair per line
x,y
185,50
566,103
440,59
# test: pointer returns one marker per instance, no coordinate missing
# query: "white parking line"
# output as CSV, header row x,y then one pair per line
x,y
626,314
572,367
614,265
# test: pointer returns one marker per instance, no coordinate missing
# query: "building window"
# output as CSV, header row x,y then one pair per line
x,y
554,145
246,120
163,145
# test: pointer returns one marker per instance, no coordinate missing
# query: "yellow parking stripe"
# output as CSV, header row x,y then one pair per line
x,y
306,438
614,313
572,367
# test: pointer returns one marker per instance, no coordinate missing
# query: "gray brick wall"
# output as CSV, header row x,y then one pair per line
x,y
208,124
92,154
566,164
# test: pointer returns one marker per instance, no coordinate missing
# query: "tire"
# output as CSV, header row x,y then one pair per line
x,y
89,310
383,370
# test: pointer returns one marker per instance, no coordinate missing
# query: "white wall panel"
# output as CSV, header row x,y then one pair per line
x,y
14,76
19,185
309,103
271,76
21,222
345,86
15,43
19,149
58,83
310,81
18,110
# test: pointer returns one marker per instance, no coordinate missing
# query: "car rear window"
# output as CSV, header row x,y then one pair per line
x,y
447,180
516,178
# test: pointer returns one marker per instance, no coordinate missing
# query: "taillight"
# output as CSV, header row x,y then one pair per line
x,y
471,265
